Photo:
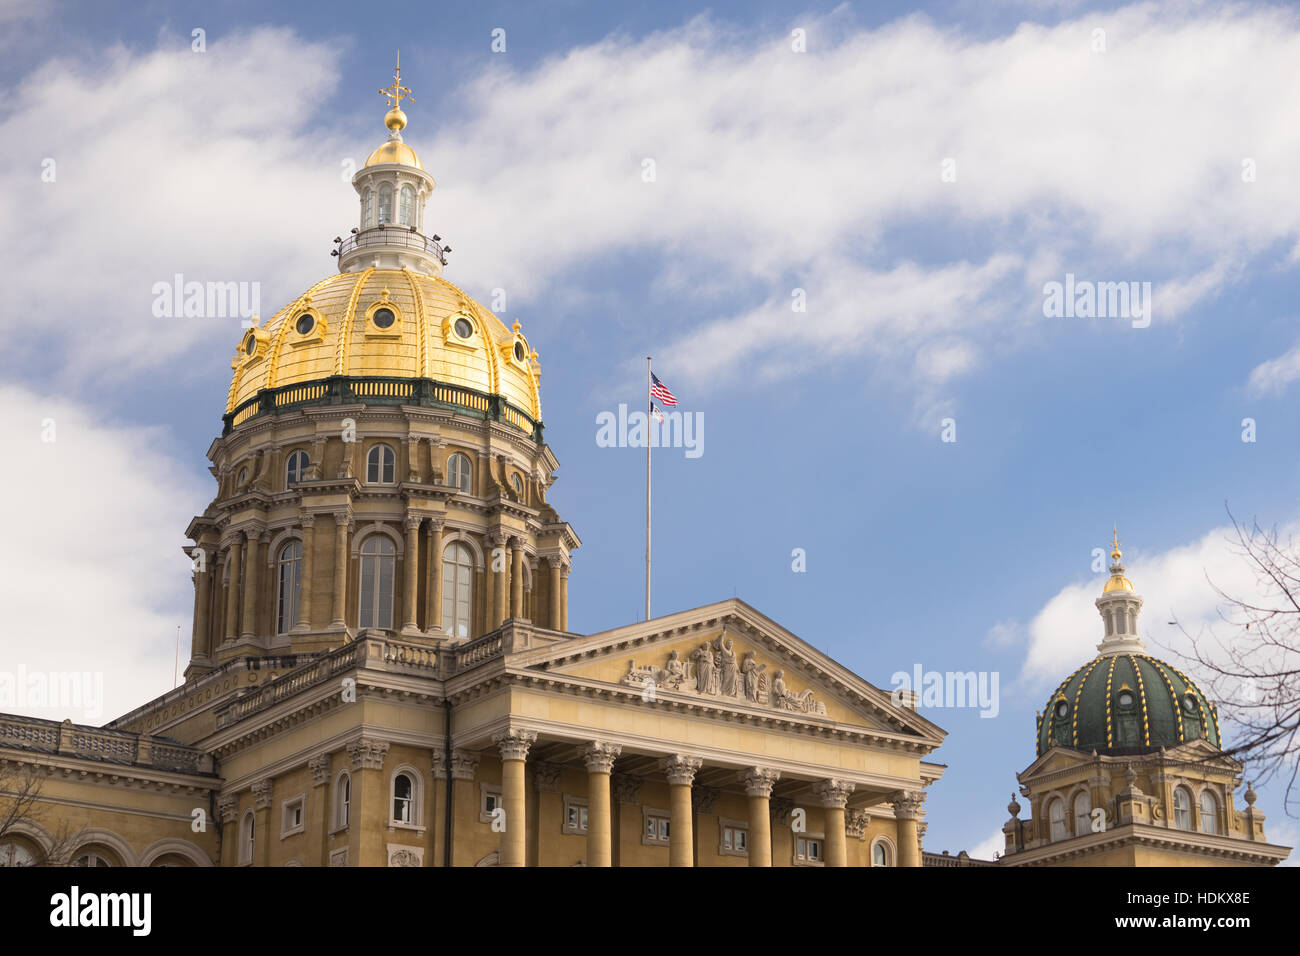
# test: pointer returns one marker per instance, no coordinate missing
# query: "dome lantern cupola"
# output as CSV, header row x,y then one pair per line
x,y
1119,606
393,189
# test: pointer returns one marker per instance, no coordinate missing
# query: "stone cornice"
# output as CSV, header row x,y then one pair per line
x,y
1181,841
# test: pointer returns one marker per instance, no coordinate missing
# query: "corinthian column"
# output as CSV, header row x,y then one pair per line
x,y
907,810
433,588
599,758
232,587
758,787
341,519
200,639
499,575
304,587
517,578
553,594
680,770
834,796
514,746
253,573
411,589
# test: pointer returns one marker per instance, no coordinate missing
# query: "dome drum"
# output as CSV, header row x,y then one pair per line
x,y
383,390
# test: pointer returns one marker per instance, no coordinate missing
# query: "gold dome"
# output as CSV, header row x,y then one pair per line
x,y
395,152
332,330
1117,582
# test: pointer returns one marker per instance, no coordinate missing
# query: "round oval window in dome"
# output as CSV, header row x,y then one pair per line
x,y
519,351
1062,708
384,318
1126,698
463,328
306,322
250,345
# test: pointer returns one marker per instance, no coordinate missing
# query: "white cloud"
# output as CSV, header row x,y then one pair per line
x,y
95,579
1174,584
774,170
990,847
1273,377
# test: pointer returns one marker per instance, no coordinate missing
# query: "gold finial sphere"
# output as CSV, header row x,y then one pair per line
x,y
395,120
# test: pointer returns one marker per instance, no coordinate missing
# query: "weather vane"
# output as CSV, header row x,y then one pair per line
x,y
397,91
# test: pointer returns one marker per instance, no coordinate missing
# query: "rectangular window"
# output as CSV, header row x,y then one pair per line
x,y
809,850
656,828
489,801
294,817
733,837
575,814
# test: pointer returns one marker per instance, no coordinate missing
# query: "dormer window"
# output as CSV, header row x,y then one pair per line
x,y
463,328
519,351
1125,698
1062,708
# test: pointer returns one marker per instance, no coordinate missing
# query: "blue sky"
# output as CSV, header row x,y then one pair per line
x,y
776,170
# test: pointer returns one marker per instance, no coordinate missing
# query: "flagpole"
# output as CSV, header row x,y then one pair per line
x,y
647,488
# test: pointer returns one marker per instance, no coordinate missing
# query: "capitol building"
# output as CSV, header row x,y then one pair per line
x,y
382,672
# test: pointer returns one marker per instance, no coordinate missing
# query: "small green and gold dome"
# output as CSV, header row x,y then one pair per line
x,y
1124,701
1126,704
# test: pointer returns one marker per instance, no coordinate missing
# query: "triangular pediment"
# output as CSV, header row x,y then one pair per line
x,y
729,655
1058,758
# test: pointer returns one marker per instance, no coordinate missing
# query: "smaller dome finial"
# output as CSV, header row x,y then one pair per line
x,y
395,119
1115,551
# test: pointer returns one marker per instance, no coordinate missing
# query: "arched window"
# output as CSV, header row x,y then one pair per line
x,y
385,204
457,589
1182,809
1082,811
1056,819
403,799
13,853
247,838
93,856
290,584
296,468
459,473
342,800
517,483
378,557
406,207
1209,806
368,209
380,464
879,854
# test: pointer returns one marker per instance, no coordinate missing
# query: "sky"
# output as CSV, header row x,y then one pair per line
x,y
832,226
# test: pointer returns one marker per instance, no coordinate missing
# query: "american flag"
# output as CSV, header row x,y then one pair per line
x,y
660,391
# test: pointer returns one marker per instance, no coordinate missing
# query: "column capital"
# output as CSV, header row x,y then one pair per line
x,y
855,822
555,561
781,808
343,517
307,520
412,521
227,808
262,794
703,798
681,768
626,786
498,537
907,804
759,780
599,756
833,793
514,744
436,522
545,775
368,753
463,764
320,769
